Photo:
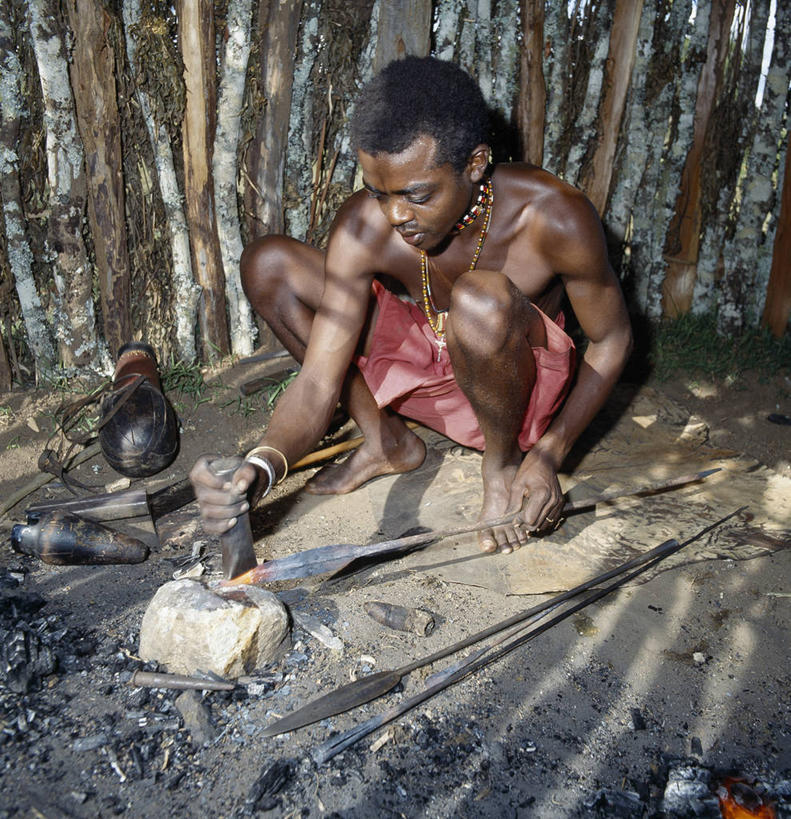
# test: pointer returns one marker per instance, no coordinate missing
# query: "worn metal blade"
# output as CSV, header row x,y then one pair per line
x,y
336,702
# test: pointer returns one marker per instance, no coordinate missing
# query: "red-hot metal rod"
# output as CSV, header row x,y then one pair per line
x,y
331,558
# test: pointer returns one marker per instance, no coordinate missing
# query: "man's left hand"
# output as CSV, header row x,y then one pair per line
x,y
536,493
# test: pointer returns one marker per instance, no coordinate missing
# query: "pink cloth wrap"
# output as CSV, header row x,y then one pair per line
x,y
402,372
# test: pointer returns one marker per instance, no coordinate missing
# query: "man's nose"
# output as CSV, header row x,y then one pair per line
x,y
398,212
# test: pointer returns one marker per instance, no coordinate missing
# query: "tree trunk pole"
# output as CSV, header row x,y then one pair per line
x,y
93,81
278,25
186,292
682,240
404,28
18,252
229,106
532,90
596,177
196,40
777,308
71,270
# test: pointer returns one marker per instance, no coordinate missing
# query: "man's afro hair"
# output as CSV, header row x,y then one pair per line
x,y
419,96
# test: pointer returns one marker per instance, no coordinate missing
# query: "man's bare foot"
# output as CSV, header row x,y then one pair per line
x,y
368,462
496,499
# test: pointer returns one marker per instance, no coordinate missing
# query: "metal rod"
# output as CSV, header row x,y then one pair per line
x,y
331,558
150,679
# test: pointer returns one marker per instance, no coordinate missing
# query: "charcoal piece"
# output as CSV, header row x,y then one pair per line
x,y
24,659
263,794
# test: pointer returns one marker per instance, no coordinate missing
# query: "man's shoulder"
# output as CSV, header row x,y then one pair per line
x,y
531,185
545,205
358,229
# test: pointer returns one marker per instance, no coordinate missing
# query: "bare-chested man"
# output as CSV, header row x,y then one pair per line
x,y
437,299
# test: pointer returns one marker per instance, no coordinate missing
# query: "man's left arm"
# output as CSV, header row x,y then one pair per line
x,y
577,251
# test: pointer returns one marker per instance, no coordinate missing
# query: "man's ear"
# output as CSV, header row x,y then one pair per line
x,y
478,162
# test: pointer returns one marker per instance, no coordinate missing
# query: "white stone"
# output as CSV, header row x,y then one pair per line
x,y
189,628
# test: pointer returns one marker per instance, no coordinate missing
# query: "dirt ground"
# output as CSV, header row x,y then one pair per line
x,y
637,706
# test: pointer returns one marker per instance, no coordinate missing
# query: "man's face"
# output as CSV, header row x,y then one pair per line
x,y
421,200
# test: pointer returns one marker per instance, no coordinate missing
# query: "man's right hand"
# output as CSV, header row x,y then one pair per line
x,y
221,500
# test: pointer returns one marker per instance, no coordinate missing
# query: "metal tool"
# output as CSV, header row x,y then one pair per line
x,y
151,679
332,558
238,554
340,742
108,506
368,688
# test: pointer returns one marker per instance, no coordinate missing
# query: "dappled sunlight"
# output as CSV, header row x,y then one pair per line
x,y
703,390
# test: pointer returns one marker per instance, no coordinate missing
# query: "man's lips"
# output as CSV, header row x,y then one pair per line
x,y
412,238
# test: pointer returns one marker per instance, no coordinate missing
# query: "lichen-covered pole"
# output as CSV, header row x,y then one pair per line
x,y
301,147
93,81
186,292
683,235
532,90
748,254
651,212
18,252
404,28
196,42
71,270
229,107
743,112
556,71
596,176
586,131
635,141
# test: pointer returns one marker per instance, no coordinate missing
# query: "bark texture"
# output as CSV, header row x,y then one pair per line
x,y
683,236
186,291
596,177
229,107
75,319
404,28
748,254
266,158
732,130
533,92
777,309
196,40
17,248
93,82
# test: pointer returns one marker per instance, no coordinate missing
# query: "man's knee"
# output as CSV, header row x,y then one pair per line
x,y
486,308
263,263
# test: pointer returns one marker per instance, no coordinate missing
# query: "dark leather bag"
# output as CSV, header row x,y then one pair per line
x,y
138,429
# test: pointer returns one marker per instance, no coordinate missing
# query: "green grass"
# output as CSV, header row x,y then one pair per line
x,y
690,344
184,379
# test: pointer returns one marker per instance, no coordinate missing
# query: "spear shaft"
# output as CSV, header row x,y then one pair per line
x,y
331,558
475,662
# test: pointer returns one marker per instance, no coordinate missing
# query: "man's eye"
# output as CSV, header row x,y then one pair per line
x,y
418,200
374,194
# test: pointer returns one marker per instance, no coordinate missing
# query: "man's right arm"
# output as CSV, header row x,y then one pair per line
x,y
305,409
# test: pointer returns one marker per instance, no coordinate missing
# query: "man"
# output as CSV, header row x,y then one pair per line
x,y
435,300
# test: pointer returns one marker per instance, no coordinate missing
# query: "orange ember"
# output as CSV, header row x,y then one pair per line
x,y
739,800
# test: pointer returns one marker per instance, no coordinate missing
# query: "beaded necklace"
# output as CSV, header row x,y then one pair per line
x,y
472,214
436,318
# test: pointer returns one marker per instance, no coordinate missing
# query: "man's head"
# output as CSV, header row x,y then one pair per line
x,y
421,96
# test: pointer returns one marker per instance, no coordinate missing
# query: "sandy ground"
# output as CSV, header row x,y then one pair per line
x,y
681,680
